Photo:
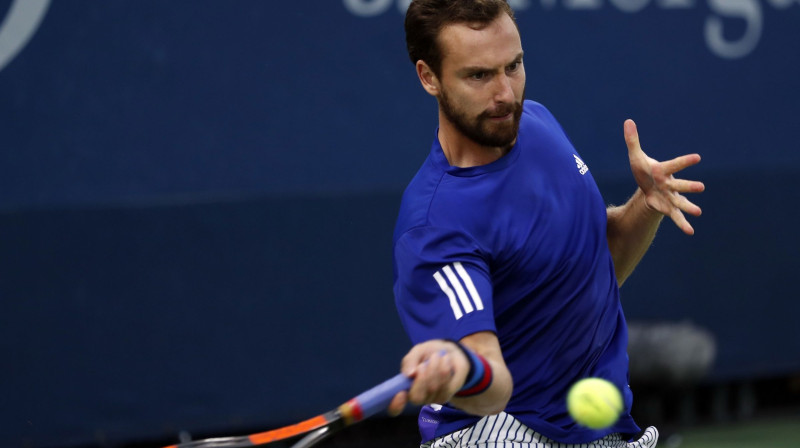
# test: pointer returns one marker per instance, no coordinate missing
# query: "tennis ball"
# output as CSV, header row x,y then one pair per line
x,y
594,402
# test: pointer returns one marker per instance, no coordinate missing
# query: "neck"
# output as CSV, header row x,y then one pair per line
x,y
463,152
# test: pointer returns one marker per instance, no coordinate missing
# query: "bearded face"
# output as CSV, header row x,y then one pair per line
x,y
494,128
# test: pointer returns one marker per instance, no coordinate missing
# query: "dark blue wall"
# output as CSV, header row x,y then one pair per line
x,y
197,197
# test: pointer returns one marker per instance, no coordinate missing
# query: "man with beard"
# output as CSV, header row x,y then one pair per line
x,y
506,260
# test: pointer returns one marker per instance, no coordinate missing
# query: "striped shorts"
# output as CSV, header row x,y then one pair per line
x,y
505,431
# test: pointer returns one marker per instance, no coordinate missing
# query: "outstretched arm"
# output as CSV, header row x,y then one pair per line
x,y
440,369
632,226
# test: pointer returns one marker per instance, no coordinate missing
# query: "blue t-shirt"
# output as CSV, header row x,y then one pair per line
x,y
517,247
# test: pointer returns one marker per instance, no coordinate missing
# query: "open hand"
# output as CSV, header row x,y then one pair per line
x,y
663,192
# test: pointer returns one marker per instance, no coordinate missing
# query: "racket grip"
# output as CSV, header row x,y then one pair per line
x,y
378,398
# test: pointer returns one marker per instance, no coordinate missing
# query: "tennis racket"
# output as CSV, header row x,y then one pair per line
x,y
317,428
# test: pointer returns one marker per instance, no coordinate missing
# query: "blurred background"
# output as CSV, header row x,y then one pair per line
x,y
197,201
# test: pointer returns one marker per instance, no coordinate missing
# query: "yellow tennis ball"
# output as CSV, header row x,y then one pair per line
x,y
594,402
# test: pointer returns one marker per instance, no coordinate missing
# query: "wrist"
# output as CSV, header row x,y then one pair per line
x,y
479,377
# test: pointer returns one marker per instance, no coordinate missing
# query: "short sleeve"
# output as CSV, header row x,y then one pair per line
x,y
442,285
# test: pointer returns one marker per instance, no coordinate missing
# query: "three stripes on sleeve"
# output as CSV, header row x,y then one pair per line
x,y
457,285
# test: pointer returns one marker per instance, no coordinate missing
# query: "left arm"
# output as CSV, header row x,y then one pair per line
x,y
632,226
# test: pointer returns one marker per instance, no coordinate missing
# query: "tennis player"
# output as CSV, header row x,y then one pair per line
x,y
507,262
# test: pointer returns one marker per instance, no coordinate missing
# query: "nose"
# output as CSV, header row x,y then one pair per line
x,y
504,91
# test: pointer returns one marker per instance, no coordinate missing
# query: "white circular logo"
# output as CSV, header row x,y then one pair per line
x,y
19,26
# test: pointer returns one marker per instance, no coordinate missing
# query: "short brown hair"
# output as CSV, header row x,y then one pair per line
x,y
426,18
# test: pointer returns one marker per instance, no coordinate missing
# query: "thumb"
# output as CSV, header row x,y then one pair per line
x,y
638,159
418,356
631,136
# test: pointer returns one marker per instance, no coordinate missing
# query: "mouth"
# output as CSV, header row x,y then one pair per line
x,y
504,117
502,113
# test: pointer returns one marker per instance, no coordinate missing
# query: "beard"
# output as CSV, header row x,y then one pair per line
x,y
481,129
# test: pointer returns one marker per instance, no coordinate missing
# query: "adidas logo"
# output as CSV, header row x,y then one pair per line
x,y
462,294
582,167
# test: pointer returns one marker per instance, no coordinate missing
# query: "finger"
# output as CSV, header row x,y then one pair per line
x,y
686,186
631,135
680,163
445,373
680,220
440,373
686,205
427,382
416,393
636,155
433,383
418,355
397,404
409,364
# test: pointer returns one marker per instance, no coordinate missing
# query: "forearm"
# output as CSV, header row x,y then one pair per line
x,y
631,229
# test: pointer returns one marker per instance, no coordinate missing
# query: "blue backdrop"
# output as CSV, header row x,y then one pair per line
x,y
197,197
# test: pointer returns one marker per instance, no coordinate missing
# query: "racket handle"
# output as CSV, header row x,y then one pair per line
x,y
378,398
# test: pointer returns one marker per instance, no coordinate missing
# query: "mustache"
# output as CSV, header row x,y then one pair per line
x,y
502,110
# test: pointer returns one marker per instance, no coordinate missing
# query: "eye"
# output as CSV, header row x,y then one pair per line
x,y
514,66
478,76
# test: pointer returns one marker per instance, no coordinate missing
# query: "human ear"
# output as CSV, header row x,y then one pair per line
x,y
427,78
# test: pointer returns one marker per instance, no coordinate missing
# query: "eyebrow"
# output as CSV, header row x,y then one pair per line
x,y
477,69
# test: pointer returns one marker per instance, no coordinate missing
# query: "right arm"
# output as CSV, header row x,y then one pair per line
x,y
428,278
440,368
